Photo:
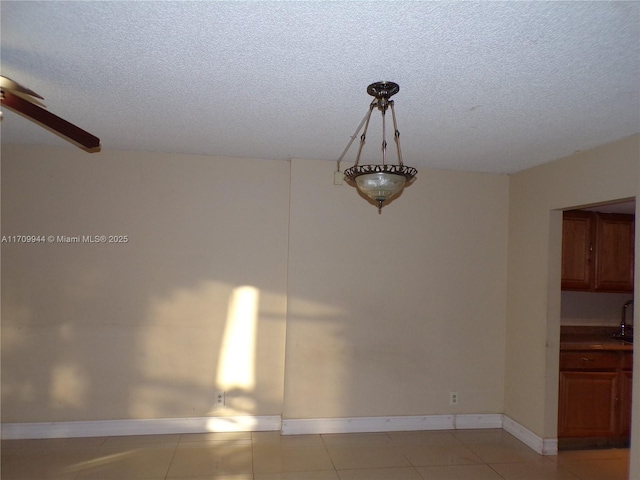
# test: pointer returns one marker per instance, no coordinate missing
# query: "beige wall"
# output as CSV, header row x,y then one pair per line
x,y
533,313
388,313
136,330
385,314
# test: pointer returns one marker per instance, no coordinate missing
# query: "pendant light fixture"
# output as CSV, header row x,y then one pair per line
x,y
380,182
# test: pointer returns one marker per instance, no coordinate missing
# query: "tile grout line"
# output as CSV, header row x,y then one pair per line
x,y
493,469
173,456
326,449
253,460
414,467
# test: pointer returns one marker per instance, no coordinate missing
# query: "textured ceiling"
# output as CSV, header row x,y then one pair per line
x,y
488,86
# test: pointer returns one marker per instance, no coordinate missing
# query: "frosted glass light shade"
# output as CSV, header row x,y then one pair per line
x,y
380,182
380,186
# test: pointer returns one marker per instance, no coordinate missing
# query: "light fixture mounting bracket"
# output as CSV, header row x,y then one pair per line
x,y
383,89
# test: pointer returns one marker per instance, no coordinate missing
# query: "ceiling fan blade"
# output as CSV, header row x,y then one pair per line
x,y
27,98
14,87
55,124
11,86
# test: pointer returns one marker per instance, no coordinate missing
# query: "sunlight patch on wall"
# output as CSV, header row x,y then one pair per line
x,y
68,386
236,367
178,351
201,340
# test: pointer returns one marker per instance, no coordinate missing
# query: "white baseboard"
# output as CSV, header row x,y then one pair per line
x,y
543,446
366,424
474,421
108,428
389,424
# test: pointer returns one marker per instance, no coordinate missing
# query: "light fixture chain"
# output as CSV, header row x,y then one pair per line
x,y
396,135
384,138
353,137
363,137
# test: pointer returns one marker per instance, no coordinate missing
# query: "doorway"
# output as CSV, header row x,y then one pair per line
x,y
595,366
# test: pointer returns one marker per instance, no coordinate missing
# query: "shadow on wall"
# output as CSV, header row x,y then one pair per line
x,y
148,327
199,344
95,353
191,345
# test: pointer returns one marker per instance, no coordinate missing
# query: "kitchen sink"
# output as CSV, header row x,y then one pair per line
x,y
626,339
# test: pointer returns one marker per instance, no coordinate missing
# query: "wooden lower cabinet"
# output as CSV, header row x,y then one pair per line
x,y
626,384
588,404
594,398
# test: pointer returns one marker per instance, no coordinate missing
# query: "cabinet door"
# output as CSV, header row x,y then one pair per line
x,y
626,383
577,248
588,404
614,252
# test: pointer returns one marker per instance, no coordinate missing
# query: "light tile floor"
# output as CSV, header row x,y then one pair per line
x,y
431,455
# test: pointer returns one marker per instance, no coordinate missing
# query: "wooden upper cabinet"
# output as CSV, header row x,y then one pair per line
x,y
614,252
597,251
577,248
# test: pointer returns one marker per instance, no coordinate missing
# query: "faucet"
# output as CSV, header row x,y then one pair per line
x,y
623,323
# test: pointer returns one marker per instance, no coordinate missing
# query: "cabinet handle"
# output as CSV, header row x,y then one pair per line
x,y
587,359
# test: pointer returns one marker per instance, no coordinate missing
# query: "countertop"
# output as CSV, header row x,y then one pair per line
x,y
591,338
593,342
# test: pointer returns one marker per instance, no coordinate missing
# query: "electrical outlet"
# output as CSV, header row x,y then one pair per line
x,y
221,399
338,177
453,398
